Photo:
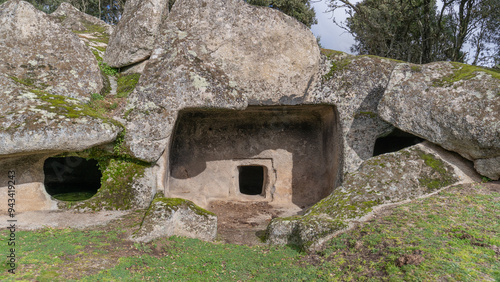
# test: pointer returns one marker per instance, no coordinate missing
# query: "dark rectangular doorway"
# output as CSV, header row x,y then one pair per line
x,y
251,180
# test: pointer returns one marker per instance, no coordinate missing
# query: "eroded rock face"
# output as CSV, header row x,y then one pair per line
x,y
388,178
93,31
170,216
38,52
135,33
218,54
72,19
46,77
454,105
355,85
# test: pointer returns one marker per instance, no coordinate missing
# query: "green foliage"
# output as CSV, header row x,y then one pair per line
x,y
96,97
107,69
299,9
421,31
485,179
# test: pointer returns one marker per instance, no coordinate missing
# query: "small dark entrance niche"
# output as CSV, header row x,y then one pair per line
x,y
251,180
395,141
71,178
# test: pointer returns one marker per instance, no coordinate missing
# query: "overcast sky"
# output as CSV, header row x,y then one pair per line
x,y
332,36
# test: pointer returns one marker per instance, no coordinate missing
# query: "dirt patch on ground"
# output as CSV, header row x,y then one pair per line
x,y
245,223
33,220
493,186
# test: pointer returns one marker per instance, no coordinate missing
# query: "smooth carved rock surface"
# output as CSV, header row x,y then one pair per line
x,y
135,33
385,179
29,184
450,104
39,52
43,98
218,54
171,216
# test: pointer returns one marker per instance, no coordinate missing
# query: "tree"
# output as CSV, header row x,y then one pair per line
x,y
418,31
299,9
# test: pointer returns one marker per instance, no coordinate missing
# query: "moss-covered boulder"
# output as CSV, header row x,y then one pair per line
x,y
125,184
355,85
47,76
172,216
38,52
35,121
135,33
389,178
81,23
454,105
91,30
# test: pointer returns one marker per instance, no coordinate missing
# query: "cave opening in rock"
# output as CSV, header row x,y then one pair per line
x,y
289,155
251,180
71,178
395,141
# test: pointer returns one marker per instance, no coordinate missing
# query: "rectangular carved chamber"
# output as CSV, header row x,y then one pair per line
x,y
279,154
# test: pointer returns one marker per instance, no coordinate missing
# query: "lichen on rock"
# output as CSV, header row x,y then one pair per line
x,y
453,105
385,179
173,216
135,33
198,62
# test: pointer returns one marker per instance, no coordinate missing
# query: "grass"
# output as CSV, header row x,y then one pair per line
x,y
451,236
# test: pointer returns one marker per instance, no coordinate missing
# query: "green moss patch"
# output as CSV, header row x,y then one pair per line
x,y
366,114
175,203
330,53
126,84
69,107
116,192
463,72
337,66
443,176
100,32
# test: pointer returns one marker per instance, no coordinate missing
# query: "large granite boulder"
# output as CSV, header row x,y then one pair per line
x,y
454,105
47,76
218,54
135,33
355,85
172,216
93,31
37,52
385,179
73,19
